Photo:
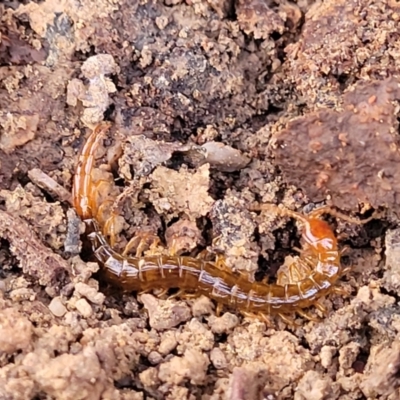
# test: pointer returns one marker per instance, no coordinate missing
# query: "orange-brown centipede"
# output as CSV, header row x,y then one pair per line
x,y
320,257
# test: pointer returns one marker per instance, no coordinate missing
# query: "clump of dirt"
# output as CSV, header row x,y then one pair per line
x,y
341,45
351,155
94,97
216,106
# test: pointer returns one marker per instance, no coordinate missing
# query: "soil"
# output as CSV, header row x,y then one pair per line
x,y
216,106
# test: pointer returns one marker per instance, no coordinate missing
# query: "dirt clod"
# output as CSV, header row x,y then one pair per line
x,y
36,260
15,331
381,375
164,315
351,155
313,386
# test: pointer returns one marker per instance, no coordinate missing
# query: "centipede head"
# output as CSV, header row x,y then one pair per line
x,y
319,236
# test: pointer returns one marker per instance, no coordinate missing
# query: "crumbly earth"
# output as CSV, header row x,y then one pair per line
x,y
216,106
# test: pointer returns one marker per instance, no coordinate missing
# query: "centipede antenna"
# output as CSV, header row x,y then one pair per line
x,y
281,211
337,214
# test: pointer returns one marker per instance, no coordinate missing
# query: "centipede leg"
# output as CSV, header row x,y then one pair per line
x,y
172,250
182,294
265,318
321,308
221,264
219,309
308,263
140,243
341,291
162,293
204,255
147,243
345,271
294,273
258,317
110,231
265,280
179,293
306,315
100,190
250,315
287,320
344,250
102,211
147,291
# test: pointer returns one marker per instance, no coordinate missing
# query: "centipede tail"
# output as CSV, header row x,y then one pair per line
x,y
82,184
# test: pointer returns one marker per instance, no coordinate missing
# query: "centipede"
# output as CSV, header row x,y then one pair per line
x,y
311,275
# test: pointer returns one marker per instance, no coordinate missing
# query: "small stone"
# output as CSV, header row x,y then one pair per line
x,y
57,308
168,343
15,331
91,293
149,377
224,324
164,315
202,306
84,308
218,358
154,357
326,355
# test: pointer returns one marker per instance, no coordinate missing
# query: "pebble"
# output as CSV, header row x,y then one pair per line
x,y
84,308
57,308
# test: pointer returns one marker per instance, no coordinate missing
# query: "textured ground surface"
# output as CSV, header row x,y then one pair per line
x,y
215,105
